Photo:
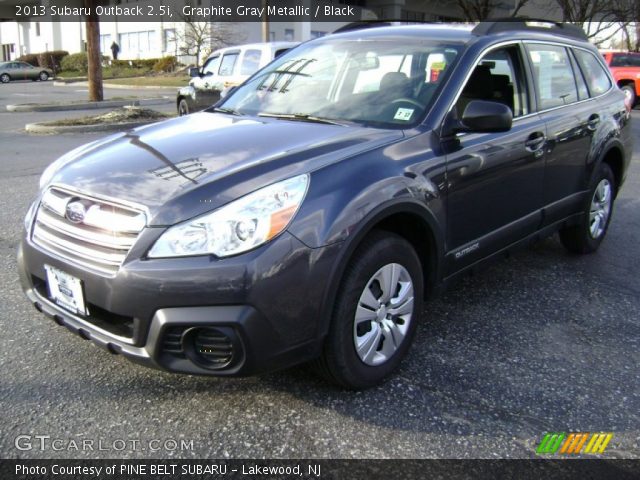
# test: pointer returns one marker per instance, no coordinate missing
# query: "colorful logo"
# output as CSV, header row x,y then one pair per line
x,y
574,443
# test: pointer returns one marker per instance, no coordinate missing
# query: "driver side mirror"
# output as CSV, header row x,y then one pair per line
x,y
194,72
481,116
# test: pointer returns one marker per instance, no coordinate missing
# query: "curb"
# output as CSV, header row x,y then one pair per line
x,y
113,85
112,127
43,107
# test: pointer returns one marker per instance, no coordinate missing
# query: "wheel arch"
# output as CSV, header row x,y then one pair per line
x,y
408,219
614,158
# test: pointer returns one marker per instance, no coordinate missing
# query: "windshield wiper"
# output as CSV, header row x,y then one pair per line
x,y
303,117
229,111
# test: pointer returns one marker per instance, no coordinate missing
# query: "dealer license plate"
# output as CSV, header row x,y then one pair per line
x,y
65,290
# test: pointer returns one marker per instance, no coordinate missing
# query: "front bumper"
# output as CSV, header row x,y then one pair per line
x,y
265,301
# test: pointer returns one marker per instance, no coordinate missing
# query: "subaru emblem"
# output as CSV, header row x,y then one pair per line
x,y
75,212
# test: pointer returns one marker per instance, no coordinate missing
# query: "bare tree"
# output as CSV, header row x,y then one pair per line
x,y
198,37
475,10
599,18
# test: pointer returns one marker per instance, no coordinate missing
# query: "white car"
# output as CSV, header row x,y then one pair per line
x,y
225,68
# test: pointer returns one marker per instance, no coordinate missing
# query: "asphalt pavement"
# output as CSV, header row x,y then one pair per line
x,y
542,342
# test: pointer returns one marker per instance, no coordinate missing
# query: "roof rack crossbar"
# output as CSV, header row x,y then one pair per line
x,y
529,24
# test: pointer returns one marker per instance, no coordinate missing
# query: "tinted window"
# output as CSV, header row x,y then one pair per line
x,y
211,66
228,63
250,62
594,73
555,81
625,60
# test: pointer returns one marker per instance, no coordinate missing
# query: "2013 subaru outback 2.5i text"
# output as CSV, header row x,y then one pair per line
x,y
308,214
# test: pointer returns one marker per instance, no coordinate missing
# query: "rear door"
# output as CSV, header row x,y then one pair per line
x,y
571,117
495,179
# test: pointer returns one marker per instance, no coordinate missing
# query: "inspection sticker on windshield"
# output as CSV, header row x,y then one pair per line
x,y
403,114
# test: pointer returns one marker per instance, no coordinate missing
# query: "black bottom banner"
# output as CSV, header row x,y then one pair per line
x,y
317,469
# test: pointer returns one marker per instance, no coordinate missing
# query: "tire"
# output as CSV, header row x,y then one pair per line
x,y
587,236
44,76
383,336
5,78
630,93
183,108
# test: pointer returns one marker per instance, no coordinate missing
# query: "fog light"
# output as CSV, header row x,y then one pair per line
x,y
210,347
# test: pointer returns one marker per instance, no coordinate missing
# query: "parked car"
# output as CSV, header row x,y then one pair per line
x,y
625,67
308,214
225,68
23,71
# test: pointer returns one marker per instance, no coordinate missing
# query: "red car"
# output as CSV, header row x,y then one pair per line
x,y
625,67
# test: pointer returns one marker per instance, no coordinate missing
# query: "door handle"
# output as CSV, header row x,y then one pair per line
x,y
535,142
592,123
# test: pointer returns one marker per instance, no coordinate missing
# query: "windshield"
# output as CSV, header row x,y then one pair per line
x,y
382,83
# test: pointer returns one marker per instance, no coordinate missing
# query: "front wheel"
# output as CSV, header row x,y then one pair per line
x,y
376,313
589,233
183,108
5,78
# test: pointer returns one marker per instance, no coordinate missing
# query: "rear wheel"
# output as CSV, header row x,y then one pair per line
x,y
589,233
183,107
629,92
5,78
375,314
44,76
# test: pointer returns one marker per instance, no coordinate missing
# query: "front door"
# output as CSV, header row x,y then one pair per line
x,y
495,180
203,84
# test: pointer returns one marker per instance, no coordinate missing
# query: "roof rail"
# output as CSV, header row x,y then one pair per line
x,y
361,25
530,24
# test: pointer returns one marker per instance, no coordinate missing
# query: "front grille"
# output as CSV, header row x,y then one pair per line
x,y
98,238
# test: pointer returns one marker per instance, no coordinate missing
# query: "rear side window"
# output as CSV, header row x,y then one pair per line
x,y
250,62
594,73
228,63
625,60
553,75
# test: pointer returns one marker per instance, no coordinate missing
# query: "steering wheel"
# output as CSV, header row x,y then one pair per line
x,y
407,100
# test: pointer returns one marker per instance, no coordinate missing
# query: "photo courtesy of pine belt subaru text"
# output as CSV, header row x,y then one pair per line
x,y
306,216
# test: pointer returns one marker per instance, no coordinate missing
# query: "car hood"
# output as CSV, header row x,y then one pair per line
x,y
183,167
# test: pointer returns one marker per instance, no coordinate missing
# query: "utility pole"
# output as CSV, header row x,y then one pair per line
x,y
265,21
94,57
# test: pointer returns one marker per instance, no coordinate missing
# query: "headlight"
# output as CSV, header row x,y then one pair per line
x,y
237,227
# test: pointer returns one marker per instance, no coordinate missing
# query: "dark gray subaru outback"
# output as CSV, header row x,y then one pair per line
x,y
308,214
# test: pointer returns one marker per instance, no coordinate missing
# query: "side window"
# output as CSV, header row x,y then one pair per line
x,y
553,75
583,91
250,62
594,73
211,66
228,63
499,77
